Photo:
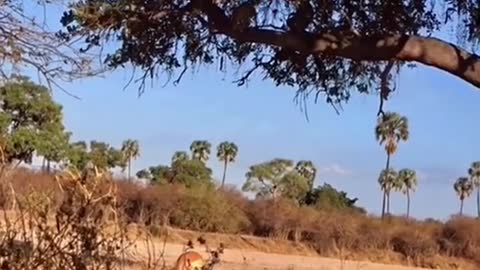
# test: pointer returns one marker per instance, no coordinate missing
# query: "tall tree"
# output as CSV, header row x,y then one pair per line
x,y
387,181
463,187
179,156
27,114
274,178
406,183
307,169
327,197
226,152
131,150
98,154
77,155
144,174
391,128
53,144
155,174
200,150
474,172
319,47
191,173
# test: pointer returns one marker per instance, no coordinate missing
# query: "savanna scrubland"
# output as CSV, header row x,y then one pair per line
x,y
325,50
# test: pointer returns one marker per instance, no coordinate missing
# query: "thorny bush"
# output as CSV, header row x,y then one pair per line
x,y
81,232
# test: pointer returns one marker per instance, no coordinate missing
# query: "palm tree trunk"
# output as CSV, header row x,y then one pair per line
x,y
461,207
383,203
224,172
408,203
478,202
48,165
129,168
386,198
387,166
388,202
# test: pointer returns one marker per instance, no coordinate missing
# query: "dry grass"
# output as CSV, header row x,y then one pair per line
x,y
283,228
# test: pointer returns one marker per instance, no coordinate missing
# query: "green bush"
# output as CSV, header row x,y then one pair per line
x,y
203,209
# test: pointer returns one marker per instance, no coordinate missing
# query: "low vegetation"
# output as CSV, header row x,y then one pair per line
x,y
328,229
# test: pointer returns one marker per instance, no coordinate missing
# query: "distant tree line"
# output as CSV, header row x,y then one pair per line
x,y
31,124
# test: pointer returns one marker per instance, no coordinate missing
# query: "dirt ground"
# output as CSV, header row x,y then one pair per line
x,y
238,259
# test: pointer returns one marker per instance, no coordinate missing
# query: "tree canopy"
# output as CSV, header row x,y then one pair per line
x,y
30,123
327,197
183,170
276,177
320,47
99,154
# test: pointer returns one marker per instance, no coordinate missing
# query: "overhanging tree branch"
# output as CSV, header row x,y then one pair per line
x,y
426,50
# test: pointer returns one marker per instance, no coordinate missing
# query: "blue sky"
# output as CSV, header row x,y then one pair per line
x,y
265,123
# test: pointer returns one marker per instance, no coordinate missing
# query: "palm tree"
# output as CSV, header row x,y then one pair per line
x,y
200,150
463,187
387,181
391,128
226,152
179,156
407,181
307,169
474,173
130,150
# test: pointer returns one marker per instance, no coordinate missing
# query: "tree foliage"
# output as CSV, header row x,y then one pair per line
x,y
391,128
327,197
98,154
464,188
191,173
183,171
407,180
53,143
155,174
388,181
474,173
31,122
200,150
180,156
274,178
406,183
319,47
307,169
226,153
130,150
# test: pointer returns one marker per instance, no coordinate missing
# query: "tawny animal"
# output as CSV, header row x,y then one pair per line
x,y
189,260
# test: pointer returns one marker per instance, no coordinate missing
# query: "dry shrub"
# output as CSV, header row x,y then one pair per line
x,y
272,218
330,232
23,182
460,237
80,237
373,234
414,244
235,197
334,233
151,206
